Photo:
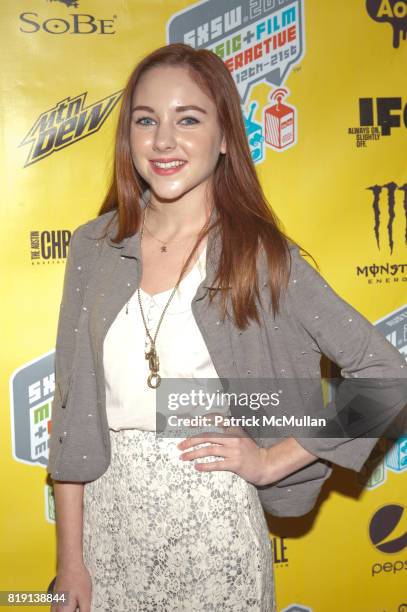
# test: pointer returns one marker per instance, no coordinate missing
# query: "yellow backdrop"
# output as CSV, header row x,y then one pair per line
x,y
321,86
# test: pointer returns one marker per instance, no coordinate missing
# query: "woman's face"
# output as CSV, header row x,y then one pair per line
x,y
162,130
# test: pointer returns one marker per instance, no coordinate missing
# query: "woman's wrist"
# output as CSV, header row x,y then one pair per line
x,y
284,458
70,562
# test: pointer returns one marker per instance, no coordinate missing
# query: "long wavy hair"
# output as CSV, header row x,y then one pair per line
x,y
245,220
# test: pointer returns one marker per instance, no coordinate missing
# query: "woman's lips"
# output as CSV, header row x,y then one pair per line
x,y
165,171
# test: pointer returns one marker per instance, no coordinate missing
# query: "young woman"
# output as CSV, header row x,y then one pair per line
x,y
149,523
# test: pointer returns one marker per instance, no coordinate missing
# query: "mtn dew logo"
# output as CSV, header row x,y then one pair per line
x,y
260,41
66,123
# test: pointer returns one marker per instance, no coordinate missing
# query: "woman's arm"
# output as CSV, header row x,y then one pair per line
x,y
284,458
351,341
69,521
346,337
73,576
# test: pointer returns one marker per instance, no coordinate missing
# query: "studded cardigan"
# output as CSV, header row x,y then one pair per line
x,y
101,276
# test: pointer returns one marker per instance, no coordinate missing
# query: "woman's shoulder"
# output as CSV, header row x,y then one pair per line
x,y
95,226
292,246
87,236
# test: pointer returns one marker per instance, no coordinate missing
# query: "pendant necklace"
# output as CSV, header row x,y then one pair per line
x,y
163,249
154,378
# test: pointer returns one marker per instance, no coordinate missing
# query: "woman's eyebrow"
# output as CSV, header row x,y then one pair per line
x,y
179,109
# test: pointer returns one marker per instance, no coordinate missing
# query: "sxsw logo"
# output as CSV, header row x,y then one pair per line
x,y
258,40
393,326
49,503
388,455
31,393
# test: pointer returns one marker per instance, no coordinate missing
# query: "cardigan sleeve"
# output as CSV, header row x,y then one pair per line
x,y
348,339
78,262
69,312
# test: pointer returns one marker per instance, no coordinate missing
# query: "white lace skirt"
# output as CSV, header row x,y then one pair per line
x,y
160,536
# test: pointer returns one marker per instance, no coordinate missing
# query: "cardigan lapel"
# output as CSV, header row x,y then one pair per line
x,y
118,276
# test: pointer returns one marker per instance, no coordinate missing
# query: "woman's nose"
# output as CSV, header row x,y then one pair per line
x,y
165,137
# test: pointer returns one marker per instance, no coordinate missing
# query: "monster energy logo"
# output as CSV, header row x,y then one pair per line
x,y
381,269
390,202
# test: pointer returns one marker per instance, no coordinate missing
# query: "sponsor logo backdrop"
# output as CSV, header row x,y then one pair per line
x,y
322,87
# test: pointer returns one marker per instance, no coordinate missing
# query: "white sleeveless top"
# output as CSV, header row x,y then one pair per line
x,y
130,402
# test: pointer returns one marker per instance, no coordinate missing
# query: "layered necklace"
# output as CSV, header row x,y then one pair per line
x,y
154,378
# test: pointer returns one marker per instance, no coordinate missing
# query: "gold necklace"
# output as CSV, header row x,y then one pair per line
x,y
163,249
154,378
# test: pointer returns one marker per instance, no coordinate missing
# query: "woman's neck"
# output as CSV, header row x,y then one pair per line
x,y
176,220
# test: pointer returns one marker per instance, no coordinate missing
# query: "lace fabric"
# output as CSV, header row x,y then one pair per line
x,y
160,535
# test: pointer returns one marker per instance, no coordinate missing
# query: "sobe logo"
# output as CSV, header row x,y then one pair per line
x,y
388,534
73,23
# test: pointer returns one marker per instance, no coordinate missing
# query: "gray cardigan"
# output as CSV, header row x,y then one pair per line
x,y
101,276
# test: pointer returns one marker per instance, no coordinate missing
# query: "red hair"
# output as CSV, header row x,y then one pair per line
x,y
245,218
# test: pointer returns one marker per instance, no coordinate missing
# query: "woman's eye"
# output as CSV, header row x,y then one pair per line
x,y
139,121
142,119
192,118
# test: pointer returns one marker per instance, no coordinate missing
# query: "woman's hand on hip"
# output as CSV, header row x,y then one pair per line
x,y
238,453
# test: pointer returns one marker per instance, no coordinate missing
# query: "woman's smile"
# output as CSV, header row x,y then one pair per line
x,y
164,168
